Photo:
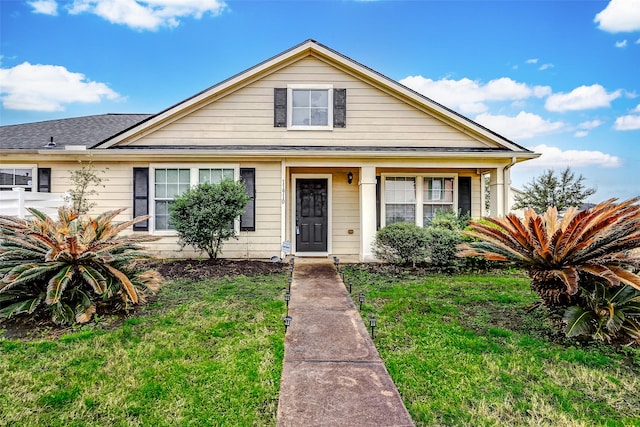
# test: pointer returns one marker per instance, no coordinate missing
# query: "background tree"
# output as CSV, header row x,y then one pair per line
x,y
549,190
82,179
204,216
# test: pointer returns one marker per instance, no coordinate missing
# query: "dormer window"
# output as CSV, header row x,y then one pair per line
x,y
310,107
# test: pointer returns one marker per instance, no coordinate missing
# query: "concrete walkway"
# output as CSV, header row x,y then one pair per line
x,y
332,374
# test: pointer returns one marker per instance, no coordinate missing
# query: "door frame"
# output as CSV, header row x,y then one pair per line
x,y
294,201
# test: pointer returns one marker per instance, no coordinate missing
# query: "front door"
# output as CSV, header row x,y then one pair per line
x,y
311,215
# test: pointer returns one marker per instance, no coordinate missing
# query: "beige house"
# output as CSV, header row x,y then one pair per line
x,y
329,149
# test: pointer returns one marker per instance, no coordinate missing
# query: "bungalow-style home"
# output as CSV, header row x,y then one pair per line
x,y
329,150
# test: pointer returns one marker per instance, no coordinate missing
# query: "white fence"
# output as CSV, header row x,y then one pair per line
x,y
16,202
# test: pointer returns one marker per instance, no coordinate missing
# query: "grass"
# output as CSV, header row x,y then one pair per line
x,y
463,350
205,353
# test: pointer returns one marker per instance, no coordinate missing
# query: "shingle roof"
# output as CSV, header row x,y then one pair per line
x,y
87,130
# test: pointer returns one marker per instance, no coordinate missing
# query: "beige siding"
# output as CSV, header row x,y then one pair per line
x,y
346,214
245,117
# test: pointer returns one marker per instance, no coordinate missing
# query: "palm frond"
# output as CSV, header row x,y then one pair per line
x,y
578,321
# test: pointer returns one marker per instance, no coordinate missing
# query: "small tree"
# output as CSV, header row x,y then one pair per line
x,y
549,190
82,179
204,216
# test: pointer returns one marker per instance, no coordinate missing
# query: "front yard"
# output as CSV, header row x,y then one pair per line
x,y
462,350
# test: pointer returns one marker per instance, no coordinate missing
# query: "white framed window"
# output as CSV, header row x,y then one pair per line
x,y
437,195
169,181
416,198
21,176
310,107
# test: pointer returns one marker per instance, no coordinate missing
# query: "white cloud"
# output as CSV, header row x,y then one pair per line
x,y
531,61
148,14
554,157
620,16
468,96
621,44
581,134
523,126
545,67
637,109
48,87
591,124
581,98
629,122
46,7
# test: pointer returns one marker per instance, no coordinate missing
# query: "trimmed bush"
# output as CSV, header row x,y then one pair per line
x,y
401,243
204,216
441,249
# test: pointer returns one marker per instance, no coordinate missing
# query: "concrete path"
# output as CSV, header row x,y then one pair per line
x,y
332,374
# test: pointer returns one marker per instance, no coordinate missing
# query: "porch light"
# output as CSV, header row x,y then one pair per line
x,y
287,322
372,323
350,177
361,299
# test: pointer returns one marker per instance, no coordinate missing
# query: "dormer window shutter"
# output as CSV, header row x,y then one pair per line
x,y
280,107
339,108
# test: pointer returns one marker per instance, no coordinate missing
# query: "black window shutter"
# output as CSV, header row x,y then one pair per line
x,y
141,197
248,218
378,191
464,195
44,180
339,108
280,107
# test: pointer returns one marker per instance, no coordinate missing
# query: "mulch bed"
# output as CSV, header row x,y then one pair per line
x,y
198,269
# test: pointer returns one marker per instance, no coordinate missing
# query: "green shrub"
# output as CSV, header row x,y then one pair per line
x,y
204,216
401,243
604,313
447,218
71,268
441,249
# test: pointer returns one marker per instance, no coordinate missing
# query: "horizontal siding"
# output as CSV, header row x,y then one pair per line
x,y
245,117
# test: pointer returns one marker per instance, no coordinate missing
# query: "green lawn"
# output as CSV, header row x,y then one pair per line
x,y
206,353
462,351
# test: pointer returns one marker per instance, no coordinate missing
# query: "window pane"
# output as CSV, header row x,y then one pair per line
x,y
319,98
319,116
161,191
6,176
161,175
204,176
300,98
23,177
228,174
400,190
172,176
400,213
300,116
216,176
185,176
173,190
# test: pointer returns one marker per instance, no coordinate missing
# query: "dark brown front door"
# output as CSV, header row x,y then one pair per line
x,y
311,215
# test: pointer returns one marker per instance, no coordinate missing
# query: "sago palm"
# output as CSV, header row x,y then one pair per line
x,y
558,252
71,266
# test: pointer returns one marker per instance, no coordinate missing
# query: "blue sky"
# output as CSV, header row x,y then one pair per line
x,y
559,77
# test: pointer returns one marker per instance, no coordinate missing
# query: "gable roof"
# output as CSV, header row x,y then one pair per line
x,y
87,131
317,50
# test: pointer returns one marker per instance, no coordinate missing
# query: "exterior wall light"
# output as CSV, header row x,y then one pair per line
x,y
350,177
